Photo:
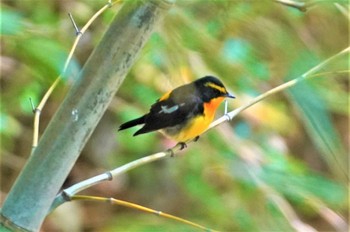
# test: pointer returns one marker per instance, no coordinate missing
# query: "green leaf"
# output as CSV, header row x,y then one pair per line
x,y
10,22
47,56
316,117
9,125
298,187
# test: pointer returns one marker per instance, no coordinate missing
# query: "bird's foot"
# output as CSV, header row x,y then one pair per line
x,y
172,154
196,138
183,145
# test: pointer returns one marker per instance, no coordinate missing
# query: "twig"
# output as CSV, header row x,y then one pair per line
x,y
108,176
114,201
284,86
32,104
38,109
297,5
68,193
37,112
77,31
304,6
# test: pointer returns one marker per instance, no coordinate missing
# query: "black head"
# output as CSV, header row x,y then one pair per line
x,y
211,87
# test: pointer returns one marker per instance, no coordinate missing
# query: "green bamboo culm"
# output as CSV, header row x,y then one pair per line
x,y
30,198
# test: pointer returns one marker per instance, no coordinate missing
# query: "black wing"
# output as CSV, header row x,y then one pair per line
x,y
181,105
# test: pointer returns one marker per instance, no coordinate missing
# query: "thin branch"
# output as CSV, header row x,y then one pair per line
x,y
114,201
330,73
304,6
37,113
297,5
68,193
32,104
77,31
38,109
306,75
115,172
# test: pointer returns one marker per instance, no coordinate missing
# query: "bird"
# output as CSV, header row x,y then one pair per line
x,y
185,112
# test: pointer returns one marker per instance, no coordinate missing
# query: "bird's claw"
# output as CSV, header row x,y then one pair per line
x,y
196,138
172,154
183,145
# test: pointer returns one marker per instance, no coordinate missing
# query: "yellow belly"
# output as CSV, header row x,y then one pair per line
x,y
199,124
193,129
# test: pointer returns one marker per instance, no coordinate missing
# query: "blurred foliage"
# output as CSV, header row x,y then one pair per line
x,y
285,156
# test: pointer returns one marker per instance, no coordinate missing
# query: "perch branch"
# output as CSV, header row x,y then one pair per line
x,y
68,193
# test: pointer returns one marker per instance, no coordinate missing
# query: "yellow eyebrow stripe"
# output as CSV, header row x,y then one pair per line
x,y
214,86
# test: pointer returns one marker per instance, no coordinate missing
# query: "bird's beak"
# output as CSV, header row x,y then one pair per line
x,y
229,95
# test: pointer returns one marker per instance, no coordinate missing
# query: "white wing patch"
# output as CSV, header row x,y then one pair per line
x,y
170,110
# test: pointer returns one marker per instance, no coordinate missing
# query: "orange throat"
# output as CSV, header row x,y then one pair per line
x,y
210,107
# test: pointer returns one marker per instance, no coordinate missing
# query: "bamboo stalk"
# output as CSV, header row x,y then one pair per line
x,y
30,198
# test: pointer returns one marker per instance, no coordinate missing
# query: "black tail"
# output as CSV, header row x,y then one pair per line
x,y
137,121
